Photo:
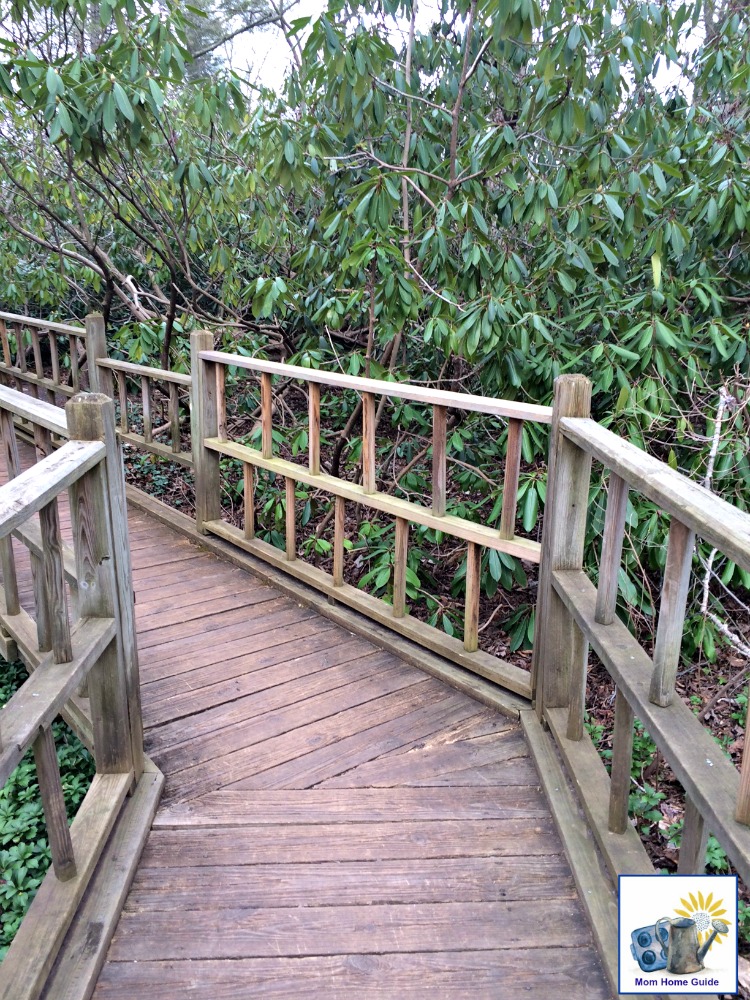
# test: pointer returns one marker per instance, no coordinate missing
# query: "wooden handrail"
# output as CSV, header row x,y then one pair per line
x,y
210,441
43,325
717,797
710,517
145,371
99,650
379,387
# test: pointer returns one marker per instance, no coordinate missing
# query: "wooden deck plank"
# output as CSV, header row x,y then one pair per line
x,y
196,687
341,756
344,883
503,974
383,697
337,823
228,807
342,930
260,707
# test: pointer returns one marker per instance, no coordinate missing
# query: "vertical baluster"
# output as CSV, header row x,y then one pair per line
x,y
54,583
266,414
42,447
38,367
579,658
122,392
54,358
439,422
10,578
510,484
672,612
609,566
400,560
368,443
7,358
174,416
249,498
75,374
471,614
19,355
339,527
148,426
20,348
53,803
692,859
10,444
291,524
742,810
622,760
221,402
313,430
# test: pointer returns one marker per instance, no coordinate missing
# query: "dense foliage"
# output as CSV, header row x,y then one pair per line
x,y
515,191
24,850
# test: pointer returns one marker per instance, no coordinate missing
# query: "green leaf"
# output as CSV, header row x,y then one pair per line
x,y
123,103
157,95
656,269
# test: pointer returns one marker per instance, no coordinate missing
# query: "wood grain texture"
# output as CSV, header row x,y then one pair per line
x,y
510,481
266,416
398,390
377,820
614,533
369,471
439,420
313,429
400,563
674,594
482,975
53,803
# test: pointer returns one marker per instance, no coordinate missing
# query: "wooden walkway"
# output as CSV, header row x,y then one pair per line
x,y
335,823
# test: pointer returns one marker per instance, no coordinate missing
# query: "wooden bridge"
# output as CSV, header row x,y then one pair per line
x,y
335,800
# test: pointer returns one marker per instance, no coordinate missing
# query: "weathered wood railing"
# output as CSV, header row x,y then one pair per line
x,y
84,364
574,613
98,649
210,442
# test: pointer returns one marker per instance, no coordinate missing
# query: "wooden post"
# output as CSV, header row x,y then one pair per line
x,y
557,651
439,415
313,429
512,474
204,424
7,358
100,379
674,595
622,759
105,587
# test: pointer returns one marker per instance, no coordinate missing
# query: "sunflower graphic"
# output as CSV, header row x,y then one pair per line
x,y
704,911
